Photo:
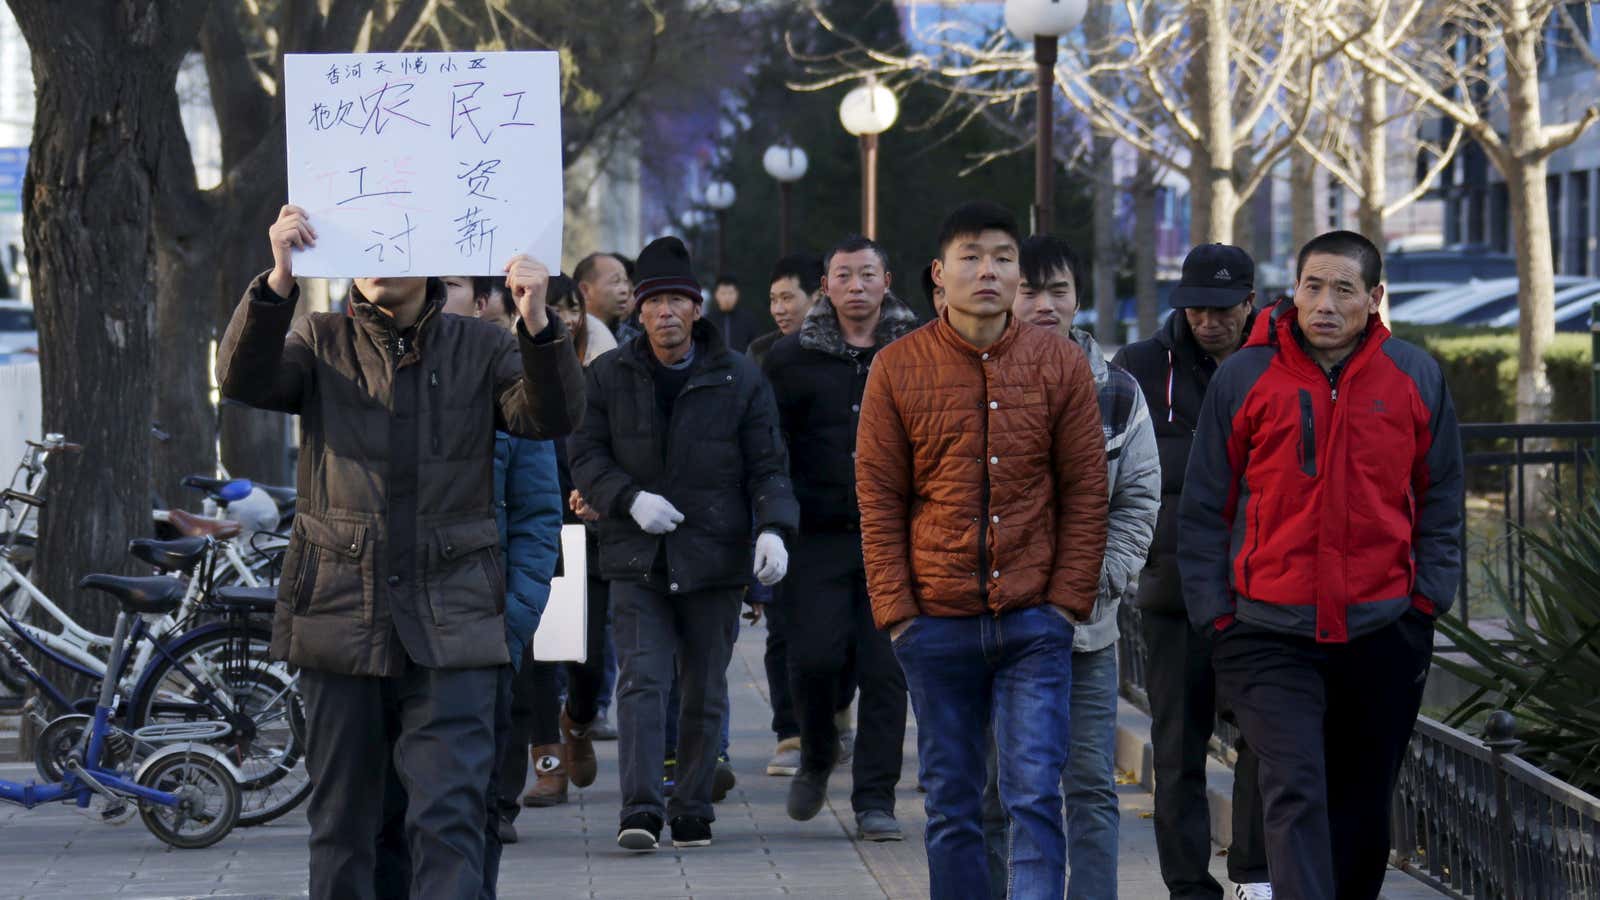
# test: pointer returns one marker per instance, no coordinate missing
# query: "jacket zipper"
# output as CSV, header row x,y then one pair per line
x,y
433,407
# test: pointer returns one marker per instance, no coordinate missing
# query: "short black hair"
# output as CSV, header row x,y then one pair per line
x,y
728,280
972,219
928,287
1042,255
628,264
804,268
855,243
585,267
1347,244
485,286
562,288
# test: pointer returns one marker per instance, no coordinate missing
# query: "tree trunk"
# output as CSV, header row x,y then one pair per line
x,y
1213,197
1530,215
1375,162
1302,201
1147,299
102,77
1105,264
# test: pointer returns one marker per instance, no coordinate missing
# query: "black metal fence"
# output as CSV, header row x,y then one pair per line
x,y
1512,471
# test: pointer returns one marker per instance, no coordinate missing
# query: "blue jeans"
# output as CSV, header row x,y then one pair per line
x,y
1015,670
1089,784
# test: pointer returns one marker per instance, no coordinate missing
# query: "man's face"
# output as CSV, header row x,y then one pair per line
x,y
727,297
979,274
790,303
669,319
1332,302
856,284
1050,305
1219,331
458,295
389,293
607,290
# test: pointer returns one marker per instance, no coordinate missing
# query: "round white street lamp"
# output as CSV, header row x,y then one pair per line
x,y
720,196
867,112
1044,22
787,164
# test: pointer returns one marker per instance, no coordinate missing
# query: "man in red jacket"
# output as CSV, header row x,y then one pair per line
x,y
1319,536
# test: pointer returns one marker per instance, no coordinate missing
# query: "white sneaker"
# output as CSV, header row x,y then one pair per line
x,y
1258,891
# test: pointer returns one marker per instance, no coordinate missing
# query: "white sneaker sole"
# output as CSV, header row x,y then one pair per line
x,y
701,843
787,771
637,839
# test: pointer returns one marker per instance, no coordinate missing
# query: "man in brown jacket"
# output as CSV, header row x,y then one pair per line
x,y
981,474
392,601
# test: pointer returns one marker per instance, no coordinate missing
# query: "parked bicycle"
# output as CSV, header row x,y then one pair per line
x,y
186,792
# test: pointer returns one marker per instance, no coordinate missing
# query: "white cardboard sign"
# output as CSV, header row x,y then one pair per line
x,y
425,163
563,634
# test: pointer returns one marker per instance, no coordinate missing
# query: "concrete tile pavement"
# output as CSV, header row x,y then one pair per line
x,y
565,852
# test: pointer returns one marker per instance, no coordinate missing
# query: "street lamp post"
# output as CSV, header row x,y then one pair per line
x,y
786,163
720,196
1044,22
867,112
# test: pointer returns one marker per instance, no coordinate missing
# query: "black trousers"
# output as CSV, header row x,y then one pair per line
x,y
830,632
1331,723
434,730
511,772
1183,706
785,721
583,682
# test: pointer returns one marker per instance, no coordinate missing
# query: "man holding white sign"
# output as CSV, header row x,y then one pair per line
x,y
393,592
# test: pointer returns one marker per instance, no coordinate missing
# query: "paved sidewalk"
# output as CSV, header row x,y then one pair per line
x,y
565,852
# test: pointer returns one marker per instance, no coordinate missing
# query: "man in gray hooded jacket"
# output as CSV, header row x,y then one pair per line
x,y
1048,298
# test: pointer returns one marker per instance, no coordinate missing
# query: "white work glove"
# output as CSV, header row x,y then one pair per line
x,y
772,560
654,514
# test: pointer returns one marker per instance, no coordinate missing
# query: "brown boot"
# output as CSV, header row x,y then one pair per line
x,y
549,763
580,751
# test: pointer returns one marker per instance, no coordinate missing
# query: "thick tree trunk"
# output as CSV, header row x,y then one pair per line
x,y
102,75
1530,215
1147,299
1213,197
1302,200
1105,264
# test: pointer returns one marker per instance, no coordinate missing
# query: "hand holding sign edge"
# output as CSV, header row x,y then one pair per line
x,y
291,232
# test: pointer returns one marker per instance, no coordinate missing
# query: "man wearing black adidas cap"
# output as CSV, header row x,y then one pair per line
x,y
1214,305
681,456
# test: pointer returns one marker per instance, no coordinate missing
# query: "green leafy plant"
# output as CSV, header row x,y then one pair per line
x,y
1547,671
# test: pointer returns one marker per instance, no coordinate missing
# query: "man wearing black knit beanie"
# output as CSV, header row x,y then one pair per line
x,y
672,415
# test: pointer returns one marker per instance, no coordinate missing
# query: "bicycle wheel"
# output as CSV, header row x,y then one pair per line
x,y
208,800
267,744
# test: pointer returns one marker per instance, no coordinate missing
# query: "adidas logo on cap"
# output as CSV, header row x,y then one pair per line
x,y
1222,275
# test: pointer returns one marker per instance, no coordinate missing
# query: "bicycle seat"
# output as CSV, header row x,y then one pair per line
x,y
224,490
259,600
180,555
156,594
191,525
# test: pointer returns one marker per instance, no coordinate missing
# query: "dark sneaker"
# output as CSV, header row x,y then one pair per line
x,y
878,825
669,777
506,831
723,780
601,729
640,831
691,831
807,792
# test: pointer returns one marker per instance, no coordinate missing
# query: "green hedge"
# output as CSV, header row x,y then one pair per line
x,y
1480,365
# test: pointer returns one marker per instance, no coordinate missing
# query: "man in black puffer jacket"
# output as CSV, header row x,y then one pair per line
x,y
1212,315
818,377
681,456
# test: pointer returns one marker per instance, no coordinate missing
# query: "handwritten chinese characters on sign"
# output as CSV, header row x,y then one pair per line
x,y
425,163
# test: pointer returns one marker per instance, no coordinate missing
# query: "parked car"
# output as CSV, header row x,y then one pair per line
x,y
19,330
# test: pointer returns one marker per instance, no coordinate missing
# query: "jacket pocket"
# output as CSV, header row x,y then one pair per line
x,y
1308,435
466,576
335,570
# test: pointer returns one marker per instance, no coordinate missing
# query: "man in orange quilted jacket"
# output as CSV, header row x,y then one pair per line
x,y
981,474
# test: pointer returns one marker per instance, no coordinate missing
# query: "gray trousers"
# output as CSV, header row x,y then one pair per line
x,y
657,634
435,727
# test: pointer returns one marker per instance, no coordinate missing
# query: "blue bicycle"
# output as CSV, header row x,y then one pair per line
x,y
186,792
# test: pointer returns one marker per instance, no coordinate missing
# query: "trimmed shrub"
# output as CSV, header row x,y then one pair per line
x,y
1480,365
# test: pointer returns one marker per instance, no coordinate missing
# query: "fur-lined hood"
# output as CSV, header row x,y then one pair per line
x,y
821,332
